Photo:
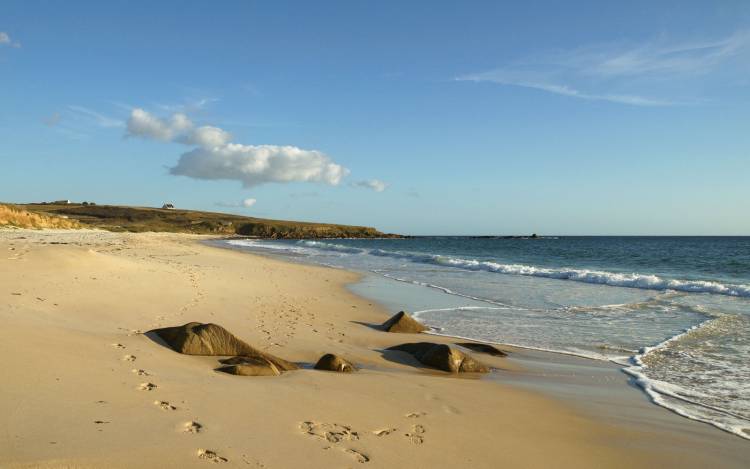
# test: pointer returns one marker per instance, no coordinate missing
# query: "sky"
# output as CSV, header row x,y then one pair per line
x,y
568,118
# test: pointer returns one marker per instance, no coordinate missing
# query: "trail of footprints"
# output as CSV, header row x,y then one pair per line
x,y
282,327
339,436
190,427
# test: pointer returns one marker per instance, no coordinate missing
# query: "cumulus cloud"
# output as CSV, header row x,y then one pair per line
x,y
208,137
258,164
143,124
374,184
215,157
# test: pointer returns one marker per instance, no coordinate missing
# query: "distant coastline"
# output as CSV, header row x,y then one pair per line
x,y
174,220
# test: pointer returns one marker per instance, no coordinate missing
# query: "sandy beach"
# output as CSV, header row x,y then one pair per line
x,y
83,386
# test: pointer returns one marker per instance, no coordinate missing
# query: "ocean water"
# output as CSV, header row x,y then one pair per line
x,y
673,311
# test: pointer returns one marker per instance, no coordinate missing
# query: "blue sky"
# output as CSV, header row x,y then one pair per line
x,y
414,117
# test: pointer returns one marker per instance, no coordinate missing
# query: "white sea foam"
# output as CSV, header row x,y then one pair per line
x,y
249,243
688,403
599,277
331,247
629,280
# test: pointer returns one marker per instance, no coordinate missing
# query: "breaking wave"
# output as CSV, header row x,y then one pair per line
x,y
629,280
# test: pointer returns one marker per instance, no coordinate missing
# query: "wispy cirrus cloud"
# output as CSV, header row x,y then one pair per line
x,y
97,118
619,73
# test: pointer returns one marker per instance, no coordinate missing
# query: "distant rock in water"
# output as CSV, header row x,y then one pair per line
x,y
483,348
195,338
331,362
442,357
402,322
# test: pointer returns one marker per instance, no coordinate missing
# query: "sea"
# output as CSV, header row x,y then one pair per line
x,y
673,312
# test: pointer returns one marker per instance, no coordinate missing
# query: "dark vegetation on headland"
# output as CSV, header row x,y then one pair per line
x,y
141,219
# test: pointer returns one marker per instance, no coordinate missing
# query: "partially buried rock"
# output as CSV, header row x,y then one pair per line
x,y
402,322
331,362
442,357
247,366
195,338
483,348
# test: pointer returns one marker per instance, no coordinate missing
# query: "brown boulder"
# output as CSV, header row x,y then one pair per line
x,y
442,357
483,348
195,338
402,322
331,362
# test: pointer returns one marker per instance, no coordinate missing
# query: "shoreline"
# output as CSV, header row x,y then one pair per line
x,y
629,365
98,290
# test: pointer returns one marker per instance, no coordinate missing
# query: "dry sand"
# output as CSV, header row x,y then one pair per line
x,y
82,387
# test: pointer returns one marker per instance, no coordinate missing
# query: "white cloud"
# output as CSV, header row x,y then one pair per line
x,y
208,137
565,90
143,124
374,184
188,105
247,203
612,72
216,158
258,164
662,59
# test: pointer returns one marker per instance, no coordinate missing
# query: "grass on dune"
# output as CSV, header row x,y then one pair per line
x,y
17,218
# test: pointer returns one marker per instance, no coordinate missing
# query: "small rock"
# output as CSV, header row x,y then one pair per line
x,y
331,362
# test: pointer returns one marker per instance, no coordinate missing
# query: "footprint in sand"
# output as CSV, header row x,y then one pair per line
x,y
416,435
360,457
334,433
192,427
164,405
140,372
383,432
120,346
331,432
147,386
128,358
208,455
415,415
